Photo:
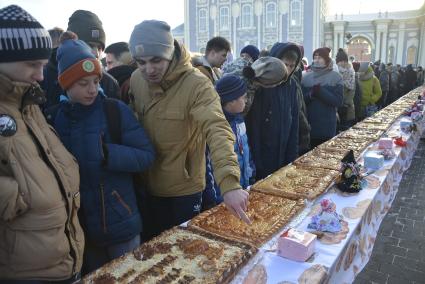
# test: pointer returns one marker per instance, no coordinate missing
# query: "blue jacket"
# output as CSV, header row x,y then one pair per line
x,y
109,212
272,122
241,147
322,107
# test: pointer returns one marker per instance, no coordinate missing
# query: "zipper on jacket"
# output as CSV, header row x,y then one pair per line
x,y
120,200
102,200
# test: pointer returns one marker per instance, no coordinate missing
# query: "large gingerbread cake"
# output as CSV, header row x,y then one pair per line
x,y
268,213
179,255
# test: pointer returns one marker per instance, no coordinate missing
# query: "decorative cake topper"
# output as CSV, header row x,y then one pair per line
x,y
350,179
328,220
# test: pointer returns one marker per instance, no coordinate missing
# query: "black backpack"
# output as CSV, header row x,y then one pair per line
x,y
113,119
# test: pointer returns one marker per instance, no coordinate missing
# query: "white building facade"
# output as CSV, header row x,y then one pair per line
x,y
396,37
257,22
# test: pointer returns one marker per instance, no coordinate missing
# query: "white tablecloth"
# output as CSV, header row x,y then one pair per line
x,y
364,213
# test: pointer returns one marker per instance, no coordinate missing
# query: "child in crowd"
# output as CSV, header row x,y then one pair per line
x,y
232,90
108,156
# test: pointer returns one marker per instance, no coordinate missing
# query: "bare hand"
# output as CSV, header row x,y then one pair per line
x,y
236,202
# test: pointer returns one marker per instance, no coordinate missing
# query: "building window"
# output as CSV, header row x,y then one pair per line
x,y
224,18
411,55
391,54
247,16
202,20
296,13
271,15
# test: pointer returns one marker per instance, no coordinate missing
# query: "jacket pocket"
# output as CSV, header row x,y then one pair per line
x,y
171,125
120,205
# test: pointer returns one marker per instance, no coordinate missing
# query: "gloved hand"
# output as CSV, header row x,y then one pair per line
x,y
315,90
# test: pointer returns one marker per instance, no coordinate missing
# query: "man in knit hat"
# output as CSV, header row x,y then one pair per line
x,y
273,120
89,29
181,112
39,181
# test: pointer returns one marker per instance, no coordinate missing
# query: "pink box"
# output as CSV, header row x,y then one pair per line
x,y
385,143
296,245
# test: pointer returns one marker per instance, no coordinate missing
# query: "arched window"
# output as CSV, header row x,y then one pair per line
x,y
202,20
224,18
390,54
295,13
411,55
247,16
271,15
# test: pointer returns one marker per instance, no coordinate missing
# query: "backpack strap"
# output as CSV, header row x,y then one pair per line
x,y
113,119
51,113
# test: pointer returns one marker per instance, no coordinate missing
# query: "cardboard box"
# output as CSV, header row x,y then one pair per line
x,y
296,245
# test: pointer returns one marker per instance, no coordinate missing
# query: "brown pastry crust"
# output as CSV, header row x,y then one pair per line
x,y
367,135
320,158
303,180
372,126
268,213
165,258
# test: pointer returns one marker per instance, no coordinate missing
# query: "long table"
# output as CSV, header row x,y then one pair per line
x,y
341,260
338,258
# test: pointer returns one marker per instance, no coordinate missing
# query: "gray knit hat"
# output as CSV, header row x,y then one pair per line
x,y
152,38
267,72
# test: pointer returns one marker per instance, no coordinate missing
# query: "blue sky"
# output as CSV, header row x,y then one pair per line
x,y
120,16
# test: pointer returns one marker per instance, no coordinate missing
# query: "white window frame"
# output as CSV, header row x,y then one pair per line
x,y
203,20
271,18
246,16
296,8
224,18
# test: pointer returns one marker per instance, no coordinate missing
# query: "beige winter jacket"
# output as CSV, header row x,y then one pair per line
x,y
40,236
181,114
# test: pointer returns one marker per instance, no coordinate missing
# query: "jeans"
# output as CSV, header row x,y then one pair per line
x,y
95,256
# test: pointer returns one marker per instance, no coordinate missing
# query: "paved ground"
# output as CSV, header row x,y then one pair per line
x,y
399,252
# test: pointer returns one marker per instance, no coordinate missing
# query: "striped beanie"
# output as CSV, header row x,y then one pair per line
x,y
75,61
22,37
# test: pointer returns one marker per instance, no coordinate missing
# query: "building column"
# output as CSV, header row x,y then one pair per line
x,y
280,17
400,44
283,10
384,47
236,9
259,32
378,46
335,47
341,40
258,10
186,24
421,45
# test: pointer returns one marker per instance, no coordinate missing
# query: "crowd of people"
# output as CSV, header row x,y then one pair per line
x,y
97,159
